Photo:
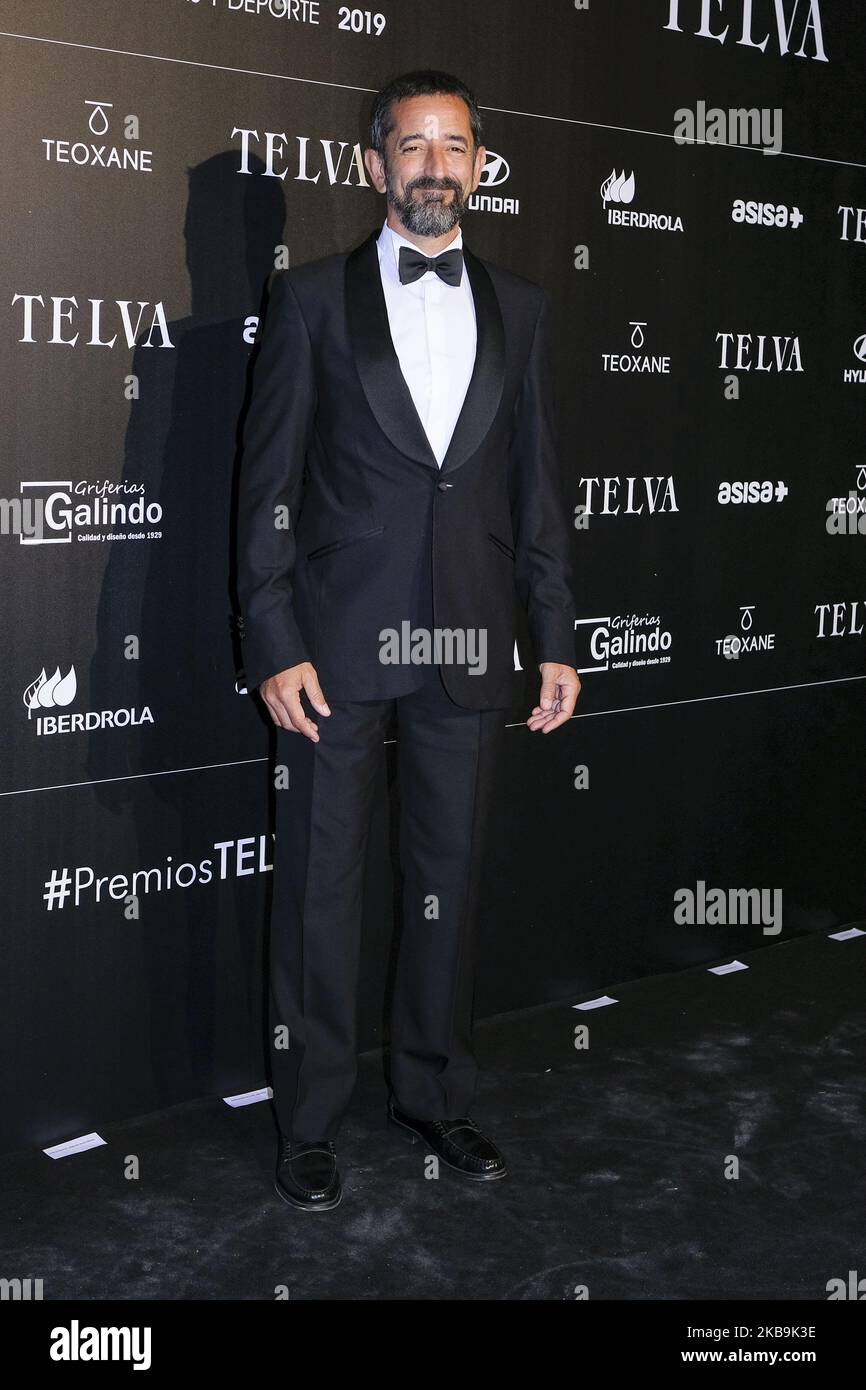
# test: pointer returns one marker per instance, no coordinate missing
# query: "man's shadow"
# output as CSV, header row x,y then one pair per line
x,y
175,595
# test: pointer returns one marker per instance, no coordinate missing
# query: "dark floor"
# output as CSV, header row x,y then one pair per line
x,y
617,1158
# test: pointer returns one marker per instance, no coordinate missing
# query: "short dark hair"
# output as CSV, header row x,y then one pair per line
x,y
420,83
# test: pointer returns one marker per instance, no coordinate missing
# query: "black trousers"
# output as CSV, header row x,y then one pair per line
x,y
445,757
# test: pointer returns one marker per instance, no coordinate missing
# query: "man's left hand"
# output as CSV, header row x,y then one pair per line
x,y
560,687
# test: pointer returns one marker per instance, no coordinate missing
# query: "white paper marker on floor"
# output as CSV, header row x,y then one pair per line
x,y
75,1146
727,969
599,1003
846,935
249,1097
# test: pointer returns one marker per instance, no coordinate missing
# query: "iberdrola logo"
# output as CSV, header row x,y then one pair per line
x,y
47,692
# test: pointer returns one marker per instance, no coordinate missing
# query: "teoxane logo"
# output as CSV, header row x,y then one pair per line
x,y
496,170
129,157
847,515
638,361
747,641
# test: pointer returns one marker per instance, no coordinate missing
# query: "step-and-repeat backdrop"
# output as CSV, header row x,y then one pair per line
x,y
687,178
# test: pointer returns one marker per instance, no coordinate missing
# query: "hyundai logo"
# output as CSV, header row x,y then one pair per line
x,y
496,170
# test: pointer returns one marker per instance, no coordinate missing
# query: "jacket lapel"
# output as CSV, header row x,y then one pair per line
x,y
379,366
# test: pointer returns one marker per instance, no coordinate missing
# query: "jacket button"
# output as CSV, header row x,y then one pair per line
x,y
443,486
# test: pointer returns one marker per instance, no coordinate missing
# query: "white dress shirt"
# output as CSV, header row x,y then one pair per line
x,y
434,335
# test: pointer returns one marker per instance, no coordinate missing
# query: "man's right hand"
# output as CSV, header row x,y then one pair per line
x,y
281,694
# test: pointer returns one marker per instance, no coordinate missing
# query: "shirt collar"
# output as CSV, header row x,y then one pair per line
x,y
388,237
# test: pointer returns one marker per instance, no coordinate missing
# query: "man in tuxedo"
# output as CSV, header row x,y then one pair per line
x,y
399,496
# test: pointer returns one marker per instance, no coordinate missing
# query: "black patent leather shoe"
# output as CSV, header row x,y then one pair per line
x,y
459,1143
307,1174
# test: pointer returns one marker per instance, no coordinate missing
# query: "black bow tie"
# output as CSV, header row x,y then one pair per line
x,y
448,266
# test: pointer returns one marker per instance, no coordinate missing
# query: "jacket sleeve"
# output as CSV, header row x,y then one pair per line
x,y
276,436
542,564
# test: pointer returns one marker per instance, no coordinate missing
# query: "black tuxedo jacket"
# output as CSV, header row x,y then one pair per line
x,y
346,524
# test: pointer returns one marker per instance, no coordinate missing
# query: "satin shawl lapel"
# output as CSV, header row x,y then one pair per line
x,y
379,367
